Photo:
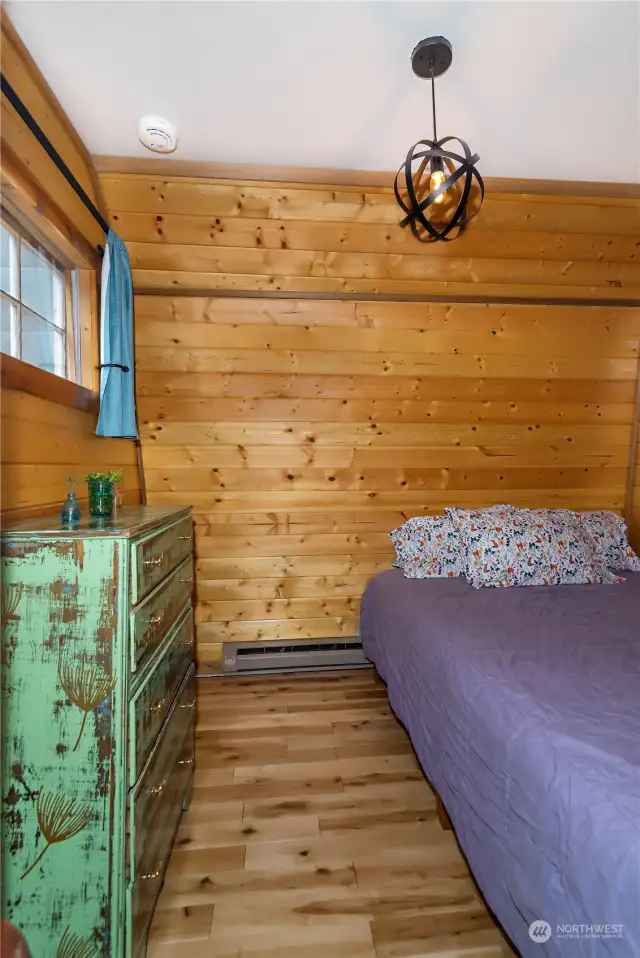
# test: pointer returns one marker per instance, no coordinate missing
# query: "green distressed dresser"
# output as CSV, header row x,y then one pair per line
x,y
98,699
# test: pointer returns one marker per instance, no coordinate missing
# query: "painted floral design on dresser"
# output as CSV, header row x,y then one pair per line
x,y
11,593
73,946
60,817
87,686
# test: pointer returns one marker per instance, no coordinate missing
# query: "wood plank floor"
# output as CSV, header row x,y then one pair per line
x,y
313,833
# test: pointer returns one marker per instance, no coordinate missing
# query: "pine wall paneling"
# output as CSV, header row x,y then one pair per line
x,y
44,438
44,442
192,234
304,429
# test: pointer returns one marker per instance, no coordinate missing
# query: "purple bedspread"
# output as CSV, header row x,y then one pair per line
x,y
523,706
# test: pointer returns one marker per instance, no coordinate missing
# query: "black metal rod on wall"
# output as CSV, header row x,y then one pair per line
x,y
53,154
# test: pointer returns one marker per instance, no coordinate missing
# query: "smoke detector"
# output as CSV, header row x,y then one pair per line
x,y
157,134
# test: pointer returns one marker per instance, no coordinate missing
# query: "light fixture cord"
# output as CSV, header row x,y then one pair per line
x,y
433,102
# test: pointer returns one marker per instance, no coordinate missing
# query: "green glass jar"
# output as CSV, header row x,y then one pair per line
x,y
100,497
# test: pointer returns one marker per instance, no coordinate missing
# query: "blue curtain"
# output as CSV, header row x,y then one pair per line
x,y
117,398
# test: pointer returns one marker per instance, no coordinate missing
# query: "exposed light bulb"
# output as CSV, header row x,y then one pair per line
x,y
437,179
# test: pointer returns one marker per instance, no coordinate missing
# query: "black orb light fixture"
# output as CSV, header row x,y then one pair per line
x,y
438,188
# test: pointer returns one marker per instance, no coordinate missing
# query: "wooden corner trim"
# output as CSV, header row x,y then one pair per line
x,y
633,456
19,375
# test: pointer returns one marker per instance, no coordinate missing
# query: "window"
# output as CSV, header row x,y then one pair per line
x,y
38,301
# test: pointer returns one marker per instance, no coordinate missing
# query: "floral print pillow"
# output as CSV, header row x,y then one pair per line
x,y
428,547
609,531
432,547
530,547
469,523
463,519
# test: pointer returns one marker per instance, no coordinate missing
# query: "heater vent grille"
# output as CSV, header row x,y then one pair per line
x,y
292,656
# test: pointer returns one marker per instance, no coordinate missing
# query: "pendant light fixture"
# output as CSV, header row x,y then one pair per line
x,y
439,189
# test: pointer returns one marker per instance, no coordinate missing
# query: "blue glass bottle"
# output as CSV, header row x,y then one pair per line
x,y
70,515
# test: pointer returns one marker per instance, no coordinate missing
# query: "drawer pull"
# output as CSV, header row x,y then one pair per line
x,y
189,705
156,874
184,537
156,618
186,761
159,705
158,789
185,580
153,562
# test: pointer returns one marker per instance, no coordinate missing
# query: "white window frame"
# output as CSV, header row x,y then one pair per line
x,y
67,298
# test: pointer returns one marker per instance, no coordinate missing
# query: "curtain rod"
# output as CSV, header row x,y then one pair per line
x,y
53,154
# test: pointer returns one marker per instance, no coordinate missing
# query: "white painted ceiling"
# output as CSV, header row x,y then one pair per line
x,y
538,89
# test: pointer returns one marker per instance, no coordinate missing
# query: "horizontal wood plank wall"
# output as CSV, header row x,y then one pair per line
x,y
44,441
190,234
303,430
297,473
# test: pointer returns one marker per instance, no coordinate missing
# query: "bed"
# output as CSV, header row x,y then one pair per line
x,y
523,706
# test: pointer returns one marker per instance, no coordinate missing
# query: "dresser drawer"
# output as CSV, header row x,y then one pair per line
x,y
173,753
151,703
157,554
153,839
151,620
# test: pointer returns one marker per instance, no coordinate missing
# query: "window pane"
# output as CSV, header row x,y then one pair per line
x,y
8,262
75,312
36,276
58,299
42,344
8,327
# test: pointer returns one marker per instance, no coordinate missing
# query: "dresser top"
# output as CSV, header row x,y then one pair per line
x,y
130,521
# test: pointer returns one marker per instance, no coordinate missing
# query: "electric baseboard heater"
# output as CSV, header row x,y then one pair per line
x,y
292,656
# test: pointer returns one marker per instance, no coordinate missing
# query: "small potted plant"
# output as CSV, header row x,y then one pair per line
x,y
101,492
